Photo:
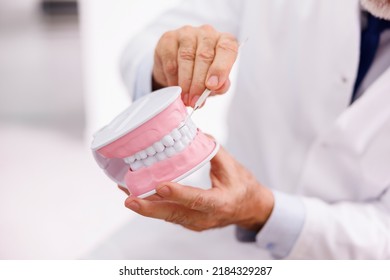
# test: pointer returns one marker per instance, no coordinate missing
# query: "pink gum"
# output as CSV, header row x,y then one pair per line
x,y
150,132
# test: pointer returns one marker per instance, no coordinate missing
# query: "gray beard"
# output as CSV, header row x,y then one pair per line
x,y
378,8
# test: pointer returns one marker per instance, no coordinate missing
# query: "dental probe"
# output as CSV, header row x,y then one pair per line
x,y
200,102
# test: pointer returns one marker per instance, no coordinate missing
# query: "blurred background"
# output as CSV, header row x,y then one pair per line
x,y
60,82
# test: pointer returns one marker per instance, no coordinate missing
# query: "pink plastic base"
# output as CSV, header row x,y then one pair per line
x,y
146,179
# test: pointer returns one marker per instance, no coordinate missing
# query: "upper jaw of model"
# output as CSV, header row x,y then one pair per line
x,y
152,141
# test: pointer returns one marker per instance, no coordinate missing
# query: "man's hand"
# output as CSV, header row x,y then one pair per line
x,y
235,198
194,58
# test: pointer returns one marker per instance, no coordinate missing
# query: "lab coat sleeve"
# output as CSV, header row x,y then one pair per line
x,y
282,229
345,230
223,15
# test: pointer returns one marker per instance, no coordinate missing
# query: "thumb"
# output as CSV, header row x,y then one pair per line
x,y
220,157
222,163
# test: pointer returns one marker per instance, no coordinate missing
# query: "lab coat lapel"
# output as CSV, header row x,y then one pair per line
x,y
351,159
362,120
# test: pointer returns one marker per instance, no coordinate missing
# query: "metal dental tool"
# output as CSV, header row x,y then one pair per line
x,y
200,101
198,104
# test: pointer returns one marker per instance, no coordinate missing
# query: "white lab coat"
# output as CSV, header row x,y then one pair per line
x,y
291,123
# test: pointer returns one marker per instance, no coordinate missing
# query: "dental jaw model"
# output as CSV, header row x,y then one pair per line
x,y
151,142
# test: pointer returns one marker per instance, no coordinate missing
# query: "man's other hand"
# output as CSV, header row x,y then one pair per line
x,y
235,198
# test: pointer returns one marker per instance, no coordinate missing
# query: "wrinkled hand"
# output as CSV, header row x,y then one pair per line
x,y
194,58
235,198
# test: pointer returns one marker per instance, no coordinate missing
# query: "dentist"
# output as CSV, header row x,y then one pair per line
x,y
307,175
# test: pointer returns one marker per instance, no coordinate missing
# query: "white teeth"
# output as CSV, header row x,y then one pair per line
x,y
143,154
138,156
193,134
184,130
190,124
176,134
170,151
178,146
188,132
170,145
136,165
149,161
161,156
168,141
150,151
185,140
192,128
159,147
130,159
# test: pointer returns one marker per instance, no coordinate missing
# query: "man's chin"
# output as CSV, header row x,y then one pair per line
x,y
378,8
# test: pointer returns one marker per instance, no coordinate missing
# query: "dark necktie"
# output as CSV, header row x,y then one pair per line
x,y
368,47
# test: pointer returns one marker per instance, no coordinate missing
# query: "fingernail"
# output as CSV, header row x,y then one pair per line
x,y
212,81
194,99
185,98
164,191
133,205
